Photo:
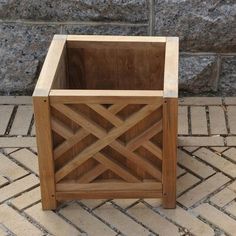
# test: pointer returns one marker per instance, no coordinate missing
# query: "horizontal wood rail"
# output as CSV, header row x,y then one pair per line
x,y
107,185
115,42
106,96
112,38
71,190
60,196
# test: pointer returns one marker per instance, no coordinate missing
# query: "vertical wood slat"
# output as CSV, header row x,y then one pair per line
x,y
45,155
170,116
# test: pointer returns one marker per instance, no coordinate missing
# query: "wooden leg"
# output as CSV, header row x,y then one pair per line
x,y
170,112
45,155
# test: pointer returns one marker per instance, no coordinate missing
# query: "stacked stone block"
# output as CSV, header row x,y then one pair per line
x,y
206,29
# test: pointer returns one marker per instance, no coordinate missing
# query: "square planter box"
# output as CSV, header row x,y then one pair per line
x,y
106,118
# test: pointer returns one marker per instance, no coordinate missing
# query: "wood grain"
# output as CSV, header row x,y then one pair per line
x,y
45,155
106,118
170,119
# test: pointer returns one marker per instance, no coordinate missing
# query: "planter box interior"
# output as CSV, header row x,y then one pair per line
x,y
106,118
114,66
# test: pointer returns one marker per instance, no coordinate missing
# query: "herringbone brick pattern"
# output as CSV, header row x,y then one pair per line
x,y
206,185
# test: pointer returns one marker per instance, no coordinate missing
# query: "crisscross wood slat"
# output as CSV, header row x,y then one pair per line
x,y
92,174
72,139
104,139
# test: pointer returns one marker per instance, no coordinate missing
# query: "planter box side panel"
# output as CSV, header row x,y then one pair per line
x,y
107,143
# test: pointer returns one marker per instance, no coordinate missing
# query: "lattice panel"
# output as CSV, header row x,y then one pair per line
x,y
100,142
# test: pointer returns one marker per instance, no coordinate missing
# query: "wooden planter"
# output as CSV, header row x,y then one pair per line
x,y
106,118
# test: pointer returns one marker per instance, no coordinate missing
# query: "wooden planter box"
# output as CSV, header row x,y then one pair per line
x,y
106,118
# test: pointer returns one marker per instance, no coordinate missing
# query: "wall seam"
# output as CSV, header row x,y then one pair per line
x,y
151,17
73,23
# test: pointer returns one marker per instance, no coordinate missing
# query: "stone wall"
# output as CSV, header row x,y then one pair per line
x,y
207,31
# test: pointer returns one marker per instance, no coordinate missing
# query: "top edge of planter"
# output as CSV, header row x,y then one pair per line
x,y
108,38
59,44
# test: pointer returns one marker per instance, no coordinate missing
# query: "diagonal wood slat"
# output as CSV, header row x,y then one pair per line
x,y
116,167
117,122
115,108
132,145
156,128
60,128
140,161
146,135
70,142
154,149
106,114
80,119
105,138
92,174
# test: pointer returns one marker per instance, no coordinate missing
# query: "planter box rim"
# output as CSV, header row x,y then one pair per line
x,y
59,43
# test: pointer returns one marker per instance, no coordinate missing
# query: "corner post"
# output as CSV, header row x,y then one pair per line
x,y
170,122
41,104
170,111
45,155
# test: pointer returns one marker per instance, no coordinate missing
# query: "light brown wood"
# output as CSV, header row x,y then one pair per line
x,y
114,38
116,121
142,162
105,96
170,119
115,108
108,194
45,156
109,41
109,118
117,168
103,186
125,65
146,135
50,67
61,129
70,142
104,140
153,149
171,68
92,174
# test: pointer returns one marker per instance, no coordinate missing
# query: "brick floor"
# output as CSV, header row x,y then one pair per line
x,y
206,183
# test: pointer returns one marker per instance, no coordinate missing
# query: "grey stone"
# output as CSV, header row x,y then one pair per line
x,y
29,10
22,51
73,10
198,73
106,10
227,82
201,25
107,29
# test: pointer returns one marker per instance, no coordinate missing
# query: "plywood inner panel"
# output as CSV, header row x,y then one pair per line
x,y
124,68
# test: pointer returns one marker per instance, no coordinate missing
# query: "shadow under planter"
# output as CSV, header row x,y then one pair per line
x,y
106,118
